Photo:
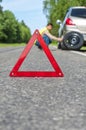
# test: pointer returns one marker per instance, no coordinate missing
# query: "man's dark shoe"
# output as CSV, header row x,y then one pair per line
x,y
59,46
40,47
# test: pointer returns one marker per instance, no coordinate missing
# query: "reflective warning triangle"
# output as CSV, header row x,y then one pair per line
x,y
15,71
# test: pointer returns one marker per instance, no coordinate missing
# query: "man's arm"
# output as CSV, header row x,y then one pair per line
x,y
53,37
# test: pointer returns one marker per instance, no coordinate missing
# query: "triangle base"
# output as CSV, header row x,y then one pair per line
x,y
36,74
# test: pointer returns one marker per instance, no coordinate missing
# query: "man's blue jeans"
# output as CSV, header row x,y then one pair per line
x,y
46,39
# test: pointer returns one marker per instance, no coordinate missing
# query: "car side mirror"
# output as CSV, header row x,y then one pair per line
x,y
59,22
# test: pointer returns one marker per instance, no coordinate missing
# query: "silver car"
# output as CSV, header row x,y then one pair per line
x,y
73,28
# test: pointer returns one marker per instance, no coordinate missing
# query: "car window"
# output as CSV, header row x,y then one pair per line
x,y
79,13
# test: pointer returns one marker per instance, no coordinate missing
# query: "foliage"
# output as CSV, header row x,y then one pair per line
x,y
56,9
1,7
23,32
11,30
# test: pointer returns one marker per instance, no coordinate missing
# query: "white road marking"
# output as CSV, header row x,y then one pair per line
x,y
80,53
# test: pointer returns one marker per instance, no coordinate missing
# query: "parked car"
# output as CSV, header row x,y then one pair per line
x,y
73,28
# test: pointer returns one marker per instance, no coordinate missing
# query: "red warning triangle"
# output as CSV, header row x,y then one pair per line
x,y
56,73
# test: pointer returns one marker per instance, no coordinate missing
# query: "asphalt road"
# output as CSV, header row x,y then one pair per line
x,y
43,103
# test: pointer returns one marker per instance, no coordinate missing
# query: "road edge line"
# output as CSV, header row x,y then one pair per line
x,y
80,53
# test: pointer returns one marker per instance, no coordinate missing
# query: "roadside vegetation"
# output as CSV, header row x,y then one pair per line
x,y
83,48
11,30
12,44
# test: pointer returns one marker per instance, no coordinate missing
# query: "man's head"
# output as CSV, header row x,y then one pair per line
x,y
49,26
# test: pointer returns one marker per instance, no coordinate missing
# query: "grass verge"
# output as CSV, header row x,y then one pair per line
x,y
11,44
83,48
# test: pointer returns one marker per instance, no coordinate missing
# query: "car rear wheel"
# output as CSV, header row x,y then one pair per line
x,y
73,40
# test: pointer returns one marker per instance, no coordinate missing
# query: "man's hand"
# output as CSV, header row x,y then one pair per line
x,y
59,39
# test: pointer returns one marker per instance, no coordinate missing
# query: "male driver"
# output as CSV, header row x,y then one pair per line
x,y
47,36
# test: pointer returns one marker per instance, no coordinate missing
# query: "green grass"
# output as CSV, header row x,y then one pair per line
x,y
11,44
83,48
54,43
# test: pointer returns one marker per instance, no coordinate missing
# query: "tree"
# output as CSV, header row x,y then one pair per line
x,y
9,26
11,30
23,32
1,7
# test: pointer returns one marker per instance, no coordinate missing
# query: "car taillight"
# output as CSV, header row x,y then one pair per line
x,y
69,22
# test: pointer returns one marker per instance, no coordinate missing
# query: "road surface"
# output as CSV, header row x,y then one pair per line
x,y
42,103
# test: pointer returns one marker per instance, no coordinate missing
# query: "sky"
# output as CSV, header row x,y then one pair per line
x,y
31,11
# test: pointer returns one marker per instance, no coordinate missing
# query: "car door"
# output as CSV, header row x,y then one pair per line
x,y
62,26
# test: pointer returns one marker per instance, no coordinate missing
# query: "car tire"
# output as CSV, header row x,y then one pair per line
x,y
73,40
61,46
